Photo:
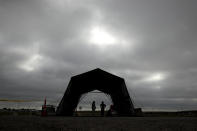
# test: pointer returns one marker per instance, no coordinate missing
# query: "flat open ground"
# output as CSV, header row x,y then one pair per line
x,y
35,123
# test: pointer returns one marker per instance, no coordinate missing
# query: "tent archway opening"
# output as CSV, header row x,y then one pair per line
x,y
87,98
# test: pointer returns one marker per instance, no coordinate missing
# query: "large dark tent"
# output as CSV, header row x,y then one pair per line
x,y
103,81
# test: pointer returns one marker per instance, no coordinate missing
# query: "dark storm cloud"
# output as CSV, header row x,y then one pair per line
x,y
44,43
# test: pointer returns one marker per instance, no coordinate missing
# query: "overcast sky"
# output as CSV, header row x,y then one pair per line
x,y
152,44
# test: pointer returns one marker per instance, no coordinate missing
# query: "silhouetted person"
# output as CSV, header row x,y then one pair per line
x,y
93,106
102,105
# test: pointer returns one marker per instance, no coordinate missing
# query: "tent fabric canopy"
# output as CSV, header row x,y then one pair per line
x,y
101,80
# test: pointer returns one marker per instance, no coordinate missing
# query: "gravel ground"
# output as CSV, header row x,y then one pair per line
x,y
36,123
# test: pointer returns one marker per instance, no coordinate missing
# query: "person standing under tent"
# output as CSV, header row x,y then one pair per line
x,y
93,106
102,105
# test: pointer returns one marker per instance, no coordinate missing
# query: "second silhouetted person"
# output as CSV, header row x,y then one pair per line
x,y
102,105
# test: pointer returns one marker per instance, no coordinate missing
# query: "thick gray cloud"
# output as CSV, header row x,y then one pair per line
x,y
150,43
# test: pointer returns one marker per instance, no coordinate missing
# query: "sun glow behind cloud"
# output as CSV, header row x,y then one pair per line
x,y
105,39
101,37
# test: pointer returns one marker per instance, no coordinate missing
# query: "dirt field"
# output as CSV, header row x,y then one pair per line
x,y
37,123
